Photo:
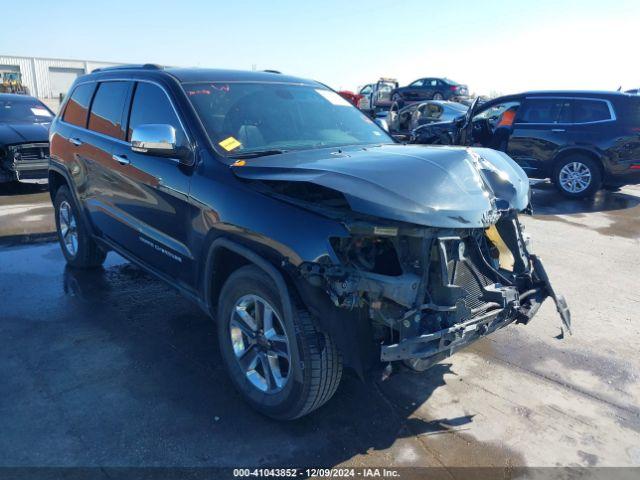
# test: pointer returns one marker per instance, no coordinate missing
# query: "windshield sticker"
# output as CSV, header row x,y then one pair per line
x,y
229,144
333,97
40,112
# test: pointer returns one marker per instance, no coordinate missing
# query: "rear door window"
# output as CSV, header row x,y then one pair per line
x,y
107,109
77,107
152,106
587,111
544,110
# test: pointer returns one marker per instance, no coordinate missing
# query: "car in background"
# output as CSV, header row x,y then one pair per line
x,y
406,119
633,91
376,97
580,140
349,96
429,89
24,138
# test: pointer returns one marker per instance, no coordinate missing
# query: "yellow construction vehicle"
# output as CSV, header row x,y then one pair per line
x,y
11,82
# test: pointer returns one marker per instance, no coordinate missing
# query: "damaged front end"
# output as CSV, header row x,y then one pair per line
x,y
434,256
26,163
431,291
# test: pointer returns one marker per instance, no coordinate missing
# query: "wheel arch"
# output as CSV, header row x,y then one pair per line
x,y
59,177
56,180
353,341
224,257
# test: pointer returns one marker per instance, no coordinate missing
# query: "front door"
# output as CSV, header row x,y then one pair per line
x,y
158,189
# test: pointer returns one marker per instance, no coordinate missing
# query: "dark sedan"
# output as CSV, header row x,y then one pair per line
x,y
582,141
429,89
24,139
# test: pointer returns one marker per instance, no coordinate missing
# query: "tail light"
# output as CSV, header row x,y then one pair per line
x,y
454,88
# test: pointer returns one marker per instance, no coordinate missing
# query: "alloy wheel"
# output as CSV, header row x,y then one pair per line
x,y
575,177
260,343
68,228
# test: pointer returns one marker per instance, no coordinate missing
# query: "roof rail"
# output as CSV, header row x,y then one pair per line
x,y
273,71
145,66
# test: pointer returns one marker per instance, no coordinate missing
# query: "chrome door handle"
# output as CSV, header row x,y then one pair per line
x,y
76,141
121,159
558,130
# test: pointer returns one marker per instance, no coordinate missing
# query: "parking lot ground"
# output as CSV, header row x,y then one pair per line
x,y
113,368
26,213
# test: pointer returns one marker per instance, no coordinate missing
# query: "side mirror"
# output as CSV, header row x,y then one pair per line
x,y
382,123
157,139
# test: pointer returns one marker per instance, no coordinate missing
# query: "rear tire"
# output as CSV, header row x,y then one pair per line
x,y
577,176
78,247
303,379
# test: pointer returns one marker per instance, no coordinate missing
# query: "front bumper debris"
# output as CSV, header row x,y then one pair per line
x,y
451,288
26,163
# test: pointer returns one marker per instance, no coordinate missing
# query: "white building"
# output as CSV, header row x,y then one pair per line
x,y
47,78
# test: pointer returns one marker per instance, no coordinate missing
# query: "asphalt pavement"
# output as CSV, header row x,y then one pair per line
x,y
113,368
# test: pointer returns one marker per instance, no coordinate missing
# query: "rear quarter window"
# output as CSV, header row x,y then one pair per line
x,y
77,107
587,111
628,112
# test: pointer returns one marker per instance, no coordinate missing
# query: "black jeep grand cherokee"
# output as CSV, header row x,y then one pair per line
x,y
313,239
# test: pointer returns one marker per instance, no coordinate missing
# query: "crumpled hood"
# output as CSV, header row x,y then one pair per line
x,y
446,187
13,133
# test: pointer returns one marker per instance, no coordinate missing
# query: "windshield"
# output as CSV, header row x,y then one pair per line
x,y
252,117
24,110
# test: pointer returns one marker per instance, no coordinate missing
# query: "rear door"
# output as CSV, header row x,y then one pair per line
x,y
106,178
429,88
157,188
68,144
539,131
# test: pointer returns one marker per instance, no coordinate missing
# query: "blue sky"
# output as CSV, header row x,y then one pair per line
x,y
493,46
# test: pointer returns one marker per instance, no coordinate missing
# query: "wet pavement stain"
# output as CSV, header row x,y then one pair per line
x,y
128,361
608,369
621,211
589,459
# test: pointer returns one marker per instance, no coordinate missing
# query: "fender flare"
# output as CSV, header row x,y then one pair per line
x,y
254,258
58,168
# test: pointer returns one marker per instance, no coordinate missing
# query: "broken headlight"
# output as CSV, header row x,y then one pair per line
x,y
368,253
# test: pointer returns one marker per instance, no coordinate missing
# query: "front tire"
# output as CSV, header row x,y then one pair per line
x,y
283,367
577,176
438,96
78,247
